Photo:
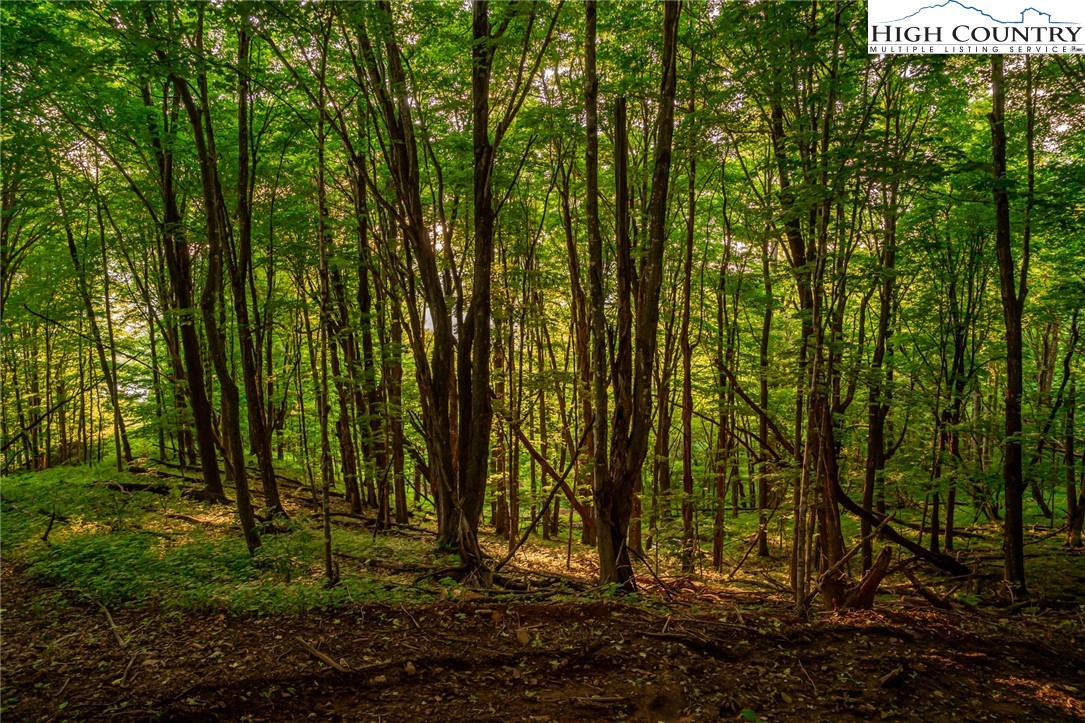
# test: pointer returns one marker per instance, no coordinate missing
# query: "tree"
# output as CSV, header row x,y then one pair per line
x,y
1013,293
632,374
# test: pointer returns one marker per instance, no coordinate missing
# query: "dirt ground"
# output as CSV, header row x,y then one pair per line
x,y
481,661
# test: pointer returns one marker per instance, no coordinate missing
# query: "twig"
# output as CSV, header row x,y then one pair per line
x,y
408,613
49,528
186,518
662,585
322,657
112,625
600,701
803,669
124,678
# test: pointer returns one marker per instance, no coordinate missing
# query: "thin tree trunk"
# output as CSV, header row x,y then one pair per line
x,y
763,400
214,214
120,434
239,266
1075,509
1013,298
686,346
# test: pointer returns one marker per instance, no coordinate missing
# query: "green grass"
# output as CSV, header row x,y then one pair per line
x,y
126,549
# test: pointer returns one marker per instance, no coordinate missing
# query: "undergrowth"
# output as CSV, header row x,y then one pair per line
x,y
72,530
111,547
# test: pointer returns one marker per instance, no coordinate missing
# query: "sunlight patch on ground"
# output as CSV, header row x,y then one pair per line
x,y
79,526
1053,695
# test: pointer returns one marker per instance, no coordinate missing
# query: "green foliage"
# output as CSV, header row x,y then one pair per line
x,y
126,549
88,88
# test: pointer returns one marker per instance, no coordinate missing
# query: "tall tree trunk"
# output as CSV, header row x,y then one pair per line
x,y
582,334
215,217
763,400
473,367
1013,298
877,394
179,267
600,372
388,83
633,373
239,265
688,543
395,410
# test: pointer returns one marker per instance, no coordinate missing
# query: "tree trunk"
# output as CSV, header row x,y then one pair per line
x,y
688,543
1013,298
179,267
633,381
600,373
1075,509
763,400
239,265
215,217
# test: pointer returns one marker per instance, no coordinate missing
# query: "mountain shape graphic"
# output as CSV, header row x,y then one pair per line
x,y
1029,16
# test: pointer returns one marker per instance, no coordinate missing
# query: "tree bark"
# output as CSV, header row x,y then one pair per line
x,y
215,218
1013,298
179,267
633,382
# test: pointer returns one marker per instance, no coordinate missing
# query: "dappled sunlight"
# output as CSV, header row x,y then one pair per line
x,y
1061,698
80,526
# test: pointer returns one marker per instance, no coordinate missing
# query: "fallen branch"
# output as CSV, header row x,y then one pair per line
x,y
693,642
944,562
892,677
322,657
124,677
600,701
662,585
935,600
112,625
925,528
556,578
130,487
186,518
382,564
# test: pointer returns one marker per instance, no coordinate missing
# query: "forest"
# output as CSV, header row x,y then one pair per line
x,y
550,359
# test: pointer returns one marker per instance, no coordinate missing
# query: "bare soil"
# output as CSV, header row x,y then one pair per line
x,y
476,660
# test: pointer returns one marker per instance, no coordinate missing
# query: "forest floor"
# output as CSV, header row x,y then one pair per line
x,y
93,629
